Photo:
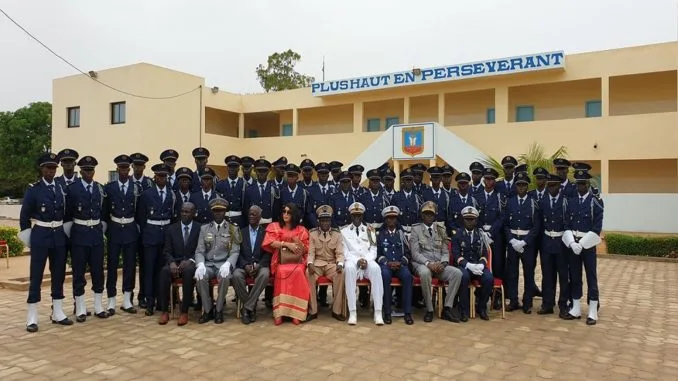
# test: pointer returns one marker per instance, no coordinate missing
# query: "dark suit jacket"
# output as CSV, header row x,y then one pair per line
x,y
247,256
175,250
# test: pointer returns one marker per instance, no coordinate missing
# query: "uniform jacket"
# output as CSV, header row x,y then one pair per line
x,y
121,205
217,246
325,248
454,222
359,191
360,245
61,180
174,249
144,182
392,247
233,194
553,220
374,204
587,216
340,204
203,212
491,211
475,189
250,252
525,217
302,199
469,248
268,200
568,189
409,207
419,188
538,195
151,206
41,203
318,197
442,200
507,188
429,248
84,205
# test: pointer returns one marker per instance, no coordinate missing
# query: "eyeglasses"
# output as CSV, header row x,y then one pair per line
x,y
287,211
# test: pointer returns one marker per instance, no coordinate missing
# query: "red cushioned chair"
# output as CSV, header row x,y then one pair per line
x,y
498,284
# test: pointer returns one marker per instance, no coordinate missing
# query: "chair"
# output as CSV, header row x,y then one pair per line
x,y
498,284
176,284
249,281
4,247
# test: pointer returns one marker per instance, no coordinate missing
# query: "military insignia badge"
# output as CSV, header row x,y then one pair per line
x,y
413,141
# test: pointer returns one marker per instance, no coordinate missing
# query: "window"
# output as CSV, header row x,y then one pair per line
x,y
524,113
112,176
252,133
373,125
593,109
287,130
489,116
118,111
391,121
73,116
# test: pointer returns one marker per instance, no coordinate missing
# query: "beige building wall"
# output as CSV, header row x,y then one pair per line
x,y
552,101
424,109
326,120
468,108
382,110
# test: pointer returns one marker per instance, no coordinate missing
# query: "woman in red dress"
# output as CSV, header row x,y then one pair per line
x,y
288,242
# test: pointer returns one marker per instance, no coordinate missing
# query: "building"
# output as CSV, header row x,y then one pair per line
x,y
616,109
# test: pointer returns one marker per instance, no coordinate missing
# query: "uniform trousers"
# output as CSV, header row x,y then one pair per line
x,y
204,288
498,257
373,273
154,260
57,268
451,275
528,258
165,285
405,277
83,256
555,268
588,259
129,266
239,280
338,294
482,294
142,266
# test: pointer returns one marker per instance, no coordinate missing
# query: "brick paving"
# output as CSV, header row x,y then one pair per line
x,y
636,338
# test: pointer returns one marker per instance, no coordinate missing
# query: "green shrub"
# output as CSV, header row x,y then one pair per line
x,y
641,245
9,234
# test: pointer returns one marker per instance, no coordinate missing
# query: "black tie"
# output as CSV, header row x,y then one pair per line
x,y
324,234
138,183
185,235
430,231
261,190
162,196
347,199
123,189
538,196
232,183
89,189
324,191
69,182
463,200
207,197
51,187
357,232
553,202
581,200
520,202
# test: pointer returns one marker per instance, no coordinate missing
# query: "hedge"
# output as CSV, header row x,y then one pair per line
x,y
9,234
641,245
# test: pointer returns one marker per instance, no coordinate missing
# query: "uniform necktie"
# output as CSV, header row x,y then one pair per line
x,y
553,202
347,199
69,182
185,235
357,232
520,202
89,189
232,183
138,183
430,231
261,190
324,234
463,200
323,190
51,187
218,226
122,189
207,197
162,195
538,196
581,200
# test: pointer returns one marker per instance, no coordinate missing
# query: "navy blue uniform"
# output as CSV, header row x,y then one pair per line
x,y
419,188
458,202
409,206
392,247
267,198
203,212
303,201
537,195
119,213
196,182
183,197
389,195
64,182
278,184
359,191
568,189
83,208
476,189
507,188
440,198
470,247
584,217
320,194
553,253
154,216
340,202
233,190
374,204
45,204
144,182
303,185
491,208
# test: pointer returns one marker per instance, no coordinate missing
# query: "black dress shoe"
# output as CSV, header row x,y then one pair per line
x,y
563,315
81,318
545,311
204,318
143,304
253,316
111,311
130,310
463,317
571,317
513,306
219,317
387,318
32,328
527,310
451,315
538,293
64,321
102,315
408,319
310,317
483,315
338,317
590,321
245,317
428,316
149,311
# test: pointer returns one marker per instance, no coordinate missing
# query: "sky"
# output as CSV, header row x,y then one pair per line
x,y
224,41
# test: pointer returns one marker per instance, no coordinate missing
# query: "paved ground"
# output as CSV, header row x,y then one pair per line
x,y
636,338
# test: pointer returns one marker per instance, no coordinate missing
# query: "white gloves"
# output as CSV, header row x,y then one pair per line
x,y
469,266
25,237
67,228
104,226
200,271
476,269
225,270
517,245
576,248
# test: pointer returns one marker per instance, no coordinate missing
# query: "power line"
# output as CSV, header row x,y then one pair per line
x,y
87,75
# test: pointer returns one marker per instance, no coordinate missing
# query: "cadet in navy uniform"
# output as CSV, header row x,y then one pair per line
x,y
292,192
470,252
44,204
388,178
567,189
553,211
279,172
119,213
322,190
356,172
67,157
139,161
202,197
169,157
393,256
84,202
335,170
447,173
491,208
583,227
408,201
418,176
233,190
341,200
183,176
247,164
307,167
521,227
374,201
459,201
201,156
537,194
436,194
476,169
156,210
506,185
263,194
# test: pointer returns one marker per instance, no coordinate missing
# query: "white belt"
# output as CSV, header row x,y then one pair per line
x,y
86,222
233,214
51,224
122,220
265,220
520,232
553,234
158,222
579,234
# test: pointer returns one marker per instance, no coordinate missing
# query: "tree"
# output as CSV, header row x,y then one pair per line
x,y
279,73
24,135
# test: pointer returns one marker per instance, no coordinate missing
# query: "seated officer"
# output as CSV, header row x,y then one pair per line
x,y
469,249
393,256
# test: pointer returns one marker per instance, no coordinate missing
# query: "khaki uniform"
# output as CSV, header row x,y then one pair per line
x,y
325,251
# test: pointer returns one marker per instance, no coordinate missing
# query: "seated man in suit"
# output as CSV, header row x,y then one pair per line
x,y
181,240
252,263
216,257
